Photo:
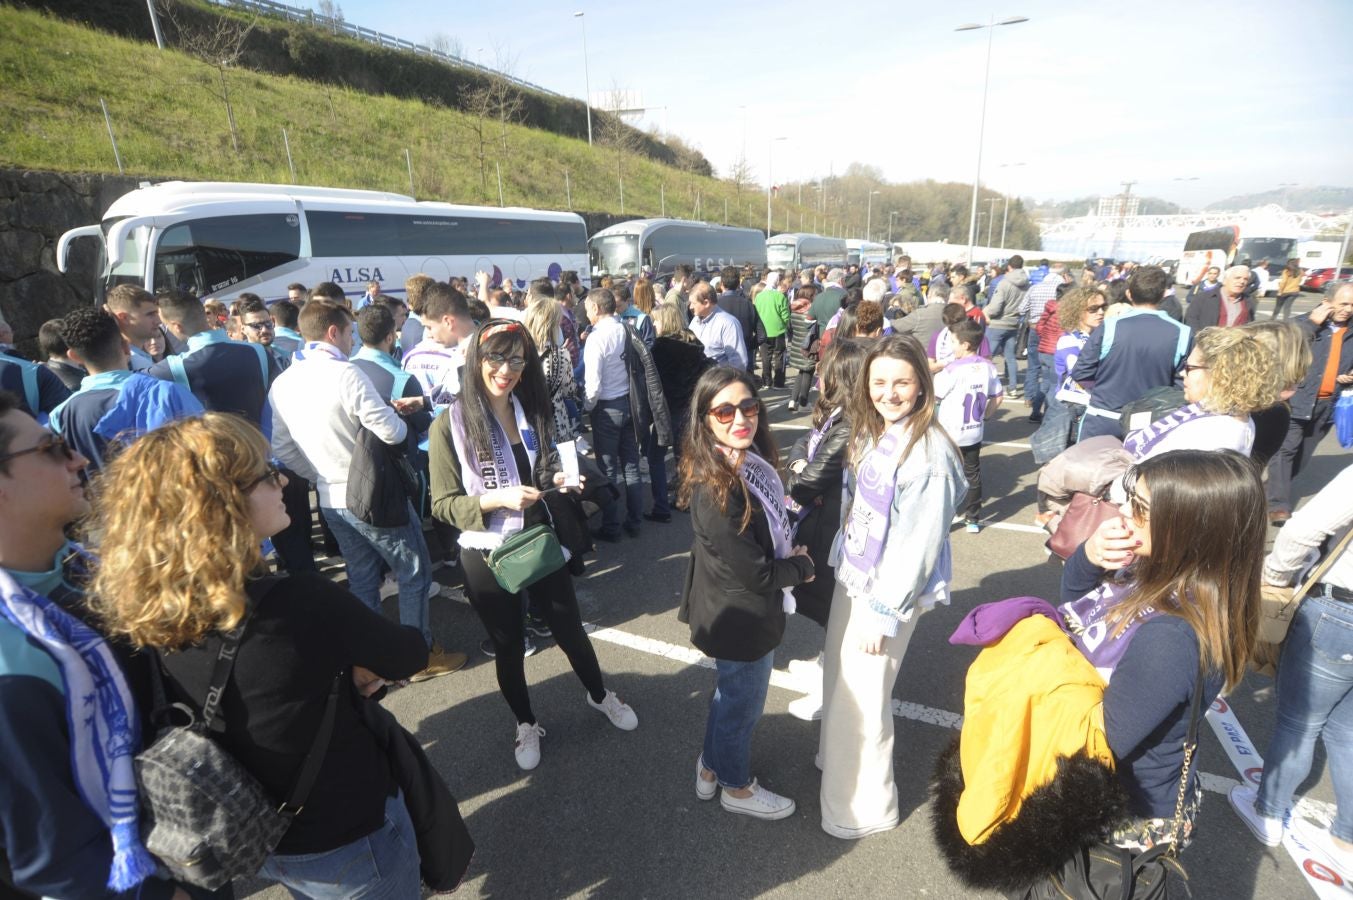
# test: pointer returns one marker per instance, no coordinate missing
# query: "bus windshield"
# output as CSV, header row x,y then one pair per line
x,y
1276,250
204,256
616,254
779,256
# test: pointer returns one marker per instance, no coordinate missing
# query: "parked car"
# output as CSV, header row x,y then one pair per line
x,y
1315,279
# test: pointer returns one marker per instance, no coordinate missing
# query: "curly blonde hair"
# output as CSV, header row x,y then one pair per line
x,y
1287,342
177,544
1243,374
1071,307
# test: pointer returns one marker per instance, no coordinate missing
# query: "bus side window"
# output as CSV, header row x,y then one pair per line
x,y
208,255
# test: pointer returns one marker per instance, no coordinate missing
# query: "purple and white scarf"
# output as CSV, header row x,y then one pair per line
x,y
499,470
1089,620
866,531
765,485
1141,442
815,439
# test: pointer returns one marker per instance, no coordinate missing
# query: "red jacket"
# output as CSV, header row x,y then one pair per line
x,y
1048,328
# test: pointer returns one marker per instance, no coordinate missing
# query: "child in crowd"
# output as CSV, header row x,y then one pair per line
x,y
969,391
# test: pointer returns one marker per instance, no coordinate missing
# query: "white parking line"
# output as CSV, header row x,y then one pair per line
x,y
902,709
1016,444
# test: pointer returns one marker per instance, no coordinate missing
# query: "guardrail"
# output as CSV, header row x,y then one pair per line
x,y
338,26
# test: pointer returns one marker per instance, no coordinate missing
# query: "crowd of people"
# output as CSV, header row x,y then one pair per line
x,y
519,425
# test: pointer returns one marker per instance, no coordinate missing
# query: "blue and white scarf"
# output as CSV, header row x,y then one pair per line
x,y
319,350
499,470
866,529
105,730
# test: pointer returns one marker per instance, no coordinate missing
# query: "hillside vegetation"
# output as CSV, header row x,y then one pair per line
x,y
170,122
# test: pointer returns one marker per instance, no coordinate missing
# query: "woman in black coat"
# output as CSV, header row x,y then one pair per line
x,y
737,585
813,481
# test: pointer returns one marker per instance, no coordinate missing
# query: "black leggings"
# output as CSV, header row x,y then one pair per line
x,y
502,613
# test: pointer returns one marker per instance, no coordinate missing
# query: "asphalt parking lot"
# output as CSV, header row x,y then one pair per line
x,y
610,814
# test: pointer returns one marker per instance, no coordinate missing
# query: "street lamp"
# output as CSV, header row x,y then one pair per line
x,y
1005,216
991,217
981,129
587,78
869,217
770,182
890,230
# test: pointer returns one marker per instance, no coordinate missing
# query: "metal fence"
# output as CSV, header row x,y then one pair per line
x,y
338,26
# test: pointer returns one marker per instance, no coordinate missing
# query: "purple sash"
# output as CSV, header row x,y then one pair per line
x,y
866,530
1088,620
1140,443
499,470
765,485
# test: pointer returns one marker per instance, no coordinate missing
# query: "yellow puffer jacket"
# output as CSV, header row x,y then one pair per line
x,y
1031,697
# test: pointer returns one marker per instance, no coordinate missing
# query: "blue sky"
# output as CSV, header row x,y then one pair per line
x,y
1241,95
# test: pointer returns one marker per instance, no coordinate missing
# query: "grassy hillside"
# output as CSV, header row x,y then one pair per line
x,y
170,121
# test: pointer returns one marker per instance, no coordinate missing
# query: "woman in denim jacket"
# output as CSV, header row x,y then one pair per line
x,y
892,563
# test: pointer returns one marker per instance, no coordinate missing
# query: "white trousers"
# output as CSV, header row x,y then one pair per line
x,y
859,796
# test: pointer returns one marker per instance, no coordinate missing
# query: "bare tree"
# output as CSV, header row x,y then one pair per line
x,y
741,174
219,43
477,104
445,43
333,11
614,133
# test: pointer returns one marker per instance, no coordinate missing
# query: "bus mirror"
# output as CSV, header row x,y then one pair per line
x,y
64,242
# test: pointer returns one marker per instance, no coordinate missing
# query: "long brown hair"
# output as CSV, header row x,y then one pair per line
x,y
841,373
1208,521
703,464
867,426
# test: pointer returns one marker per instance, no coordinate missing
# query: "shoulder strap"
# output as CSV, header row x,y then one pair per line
x,y
305,780
177,370
1110,328
263,362
220,673
30,387
1190,745
1324,566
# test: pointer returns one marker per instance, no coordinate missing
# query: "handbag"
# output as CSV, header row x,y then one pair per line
x,y
1277,607
203,816
1083,515
1102,871
525,558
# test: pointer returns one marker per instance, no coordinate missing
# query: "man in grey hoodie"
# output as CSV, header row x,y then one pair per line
x,y
1004,313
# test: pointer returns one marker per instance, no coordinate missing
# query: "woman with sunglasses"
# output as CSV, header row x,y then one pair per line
x,y
739,583
490,459
904,482
182,512
1228,375
1171,584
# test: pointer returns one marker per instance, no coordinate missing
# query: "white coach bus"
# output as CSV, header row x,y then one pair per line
x,y
217,239
660,245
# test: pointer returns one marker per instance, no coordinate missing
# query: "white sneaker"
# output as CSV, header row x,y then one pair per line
x,y
762,804
1268,830
807,670
618,712
704,790
808,708
528,745
791,406
434,589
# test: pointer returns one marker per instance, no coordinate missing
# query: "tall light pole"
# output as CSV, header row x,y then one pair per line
x,y
1005,216
770,182
869,217
587,78
982,127
890,230
991,217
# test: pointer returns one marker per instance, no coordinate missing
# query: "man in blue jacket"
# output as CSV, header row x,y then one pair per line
x,y
68,801
227,376
1131,354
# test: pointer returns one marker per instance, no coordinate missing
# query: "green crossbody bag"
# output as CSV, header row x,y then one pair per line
x,y
526,557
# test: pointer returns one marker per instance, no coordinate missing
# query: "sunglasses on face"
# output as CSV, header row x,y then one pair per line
x,y
750,409
271,473
1098,307
256,326
496,360
54,445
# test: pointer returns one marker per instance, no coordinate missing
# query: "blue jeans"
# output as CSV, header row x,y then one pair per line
x,y
1039,380
1315,699
384,864
738,701
618,456
657,474
403,549
1005,339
